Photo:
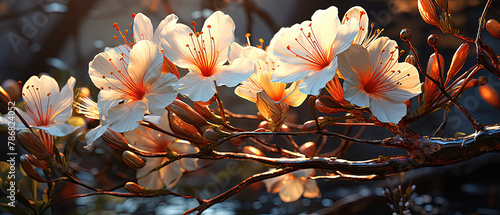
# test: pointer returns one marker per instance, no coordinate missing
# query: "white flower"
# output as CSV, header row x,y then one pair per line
x,y
131,86
309,50
204,54
153,141
293,185
47,108
374,78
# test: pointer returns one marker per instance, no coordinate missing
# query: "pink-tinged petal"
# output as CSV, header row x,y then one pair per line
x,y
288,73
106,100
316,81
325,24
381,51
346,34
292,190
197,87
170,174
386,110
146,178
145,63
294,97
354,63
161,93
156,38
93,134
358,13
311,189
222,30
233,74
125,117
143,29
174,38
100,69
62,109
58,129
354,94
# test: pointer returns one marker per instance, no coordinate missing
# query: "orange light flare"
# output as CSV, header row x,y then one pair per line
x,y
490,95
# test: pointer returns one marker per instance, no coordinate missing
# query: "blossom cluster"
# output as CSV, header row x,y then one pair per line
x,y
138,80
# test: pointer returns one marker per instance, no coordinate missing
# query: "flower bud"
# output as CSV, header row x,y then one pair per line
x,y
28,169
237,140
12,88
33,144
271,110
411,59
493,27
433,70
37,162
186,113
405,34
283,128
4,101
458,61
428,12
252,151
443,4
211,135
327,104
490,95
308,148
482,80
433,40
132,160
134,188
260,130
203,110
264,125
115,140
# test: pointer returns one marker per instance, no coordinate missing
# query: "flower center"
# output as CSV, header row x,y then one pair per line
x,y
384,78
129,87
87,107
40,113
204,59
315,54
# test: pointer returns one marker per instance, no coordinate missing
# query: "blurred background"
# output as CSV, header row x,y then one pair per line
x,y
60,38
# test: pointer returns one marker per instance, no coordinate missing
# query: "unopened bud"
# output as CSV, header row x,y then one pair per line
x,y
132,160
264,125
186,113
284,128
411,59
33,144
203,110
271,110
211,135
12,88
308,148
433,40
253,151
493,27
115,140
405,34
28,169
134,188
327,104
310,125
182,128
458,61
490,95
482,80
428,12
237,140
37,162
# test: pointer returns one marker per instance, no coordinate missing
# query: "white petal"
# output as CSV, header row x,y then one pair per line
x,y
125,117
311,189
39,94
64,105
380,52
222,30
162,93
102,65
325,24
292,190
316,81
245,92
295,98
106,100
249,52
197,87
274,185
346,34
360,14
163,23
290,42
170,174
288,72
143,29
93,134
26,117
151,180
354,63
174,38
354,94
145,63
387,111
58,129
233,74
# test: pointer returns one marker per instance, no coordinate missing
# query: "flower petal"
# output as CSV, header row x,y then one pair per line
x,y
145,63
39,94
325,24
288,73
58,129
233,74
174,38
64,105
292,190
170,174
386,110
316,81
106,100
346,34
102,65
93,134
311,189
354,63
249,52
381,51
358,13
143,29
163,23
197,87
354,94
294,97
146,178
125,117
222,31
161,93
